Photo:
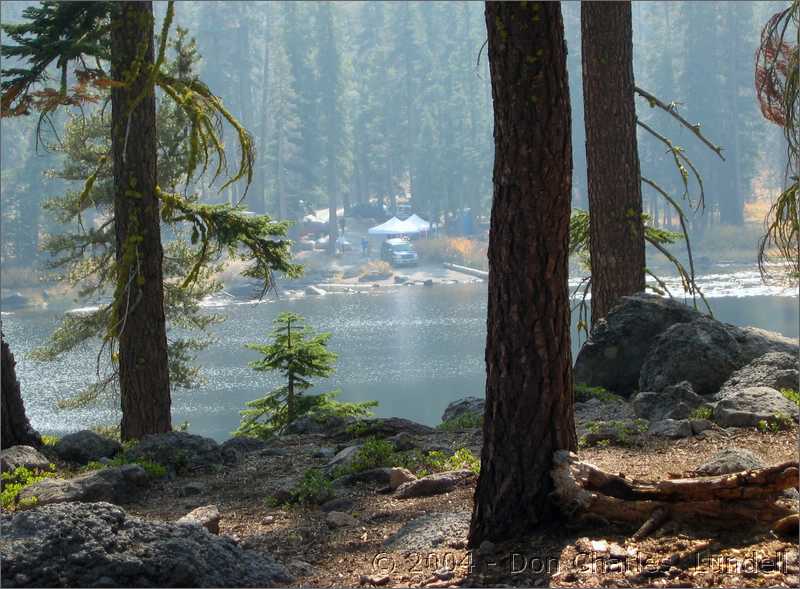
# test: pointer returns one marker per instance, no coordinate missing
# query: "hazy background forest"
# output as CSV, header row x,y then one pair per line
x,y
392,100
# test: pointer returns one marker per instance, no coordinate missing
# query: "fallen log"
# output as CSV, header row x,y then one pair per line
x,y
582,489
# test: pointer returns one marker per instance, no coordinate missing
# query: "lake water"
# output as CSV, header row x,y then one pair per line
x,y
414,349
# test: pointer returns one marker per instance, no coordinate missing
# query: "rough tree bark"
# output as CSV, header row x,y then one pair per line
x,y
17,429
139,298
529,398
616,231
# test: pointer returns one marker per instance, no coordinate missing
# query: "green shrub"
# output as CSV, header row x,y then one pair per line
x,y
313,489
619,432
703,412
584,393
463,421
792,395
18,479
153,469
374,453
50,440
776,423
425,463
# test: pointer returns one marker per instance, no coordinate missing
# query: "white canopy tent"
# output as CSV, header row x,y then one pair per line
x,y
395,226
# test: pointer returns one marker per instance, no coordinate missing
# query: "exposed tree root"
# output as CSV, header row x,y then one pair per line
x,y
732,500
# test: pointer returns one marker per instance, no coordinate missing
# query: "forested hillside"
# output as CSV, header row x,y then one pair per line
x,y
356,101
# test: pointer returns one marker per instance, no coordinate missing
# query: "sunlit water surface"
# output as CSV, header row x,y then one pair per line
x,y
414,349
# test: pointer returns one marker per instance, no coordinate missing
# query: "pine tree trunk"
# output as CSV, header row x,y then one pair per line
x,y
529,398
140,323
17,429
616,231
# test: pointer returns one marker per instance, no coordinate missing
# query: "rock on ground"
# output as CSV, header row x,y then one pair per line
x,y
339,519
27,456
674,402
730,460
100,545
376,476
617,346
384,427
702,352
777,370
755,342
309,424
671,428
433,484
236,448
430,531
343,458
465,406
207,517
746,407
117,485
85,446
398,476
179,451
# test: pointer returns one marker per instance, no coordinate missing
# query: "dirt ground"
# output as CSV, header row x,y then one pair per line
x,y
562,556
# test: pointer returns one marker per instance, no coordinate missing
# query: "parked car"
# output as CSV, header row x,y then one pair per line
x,y
399,252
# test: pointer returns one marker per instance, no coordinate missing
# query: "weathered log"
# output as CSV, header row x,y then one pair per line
x,y
582,489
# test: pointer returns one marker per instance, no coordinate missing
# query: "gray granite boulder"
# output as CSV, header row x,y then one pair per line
x,y
238,447
85,446
27,456
746,407
613,355
100,545
702,352
116,485
671,428
730,460
434,484
777,370
207,517
465,406
179,451
674,402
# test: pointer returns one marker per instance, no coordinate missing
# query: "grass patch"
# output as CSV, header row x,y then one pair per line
x,y
703,412
50,440
463,421
16,480
777,423
617,432
792,395
153,469
584,392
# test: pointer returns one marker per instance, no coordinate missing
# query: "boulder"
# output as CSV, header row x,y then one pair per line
x,y
236,448
179,451
384,427
116,485
430,531
325,453
343,459
403,441
207,517
434,484
674,402
337,504
26,456
746,407
399,476
755,342
702,352
85,446
701,425
730,460
193,488
339,519
671,428
81,545
311,424
467,405
375,476
617,345
777,370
